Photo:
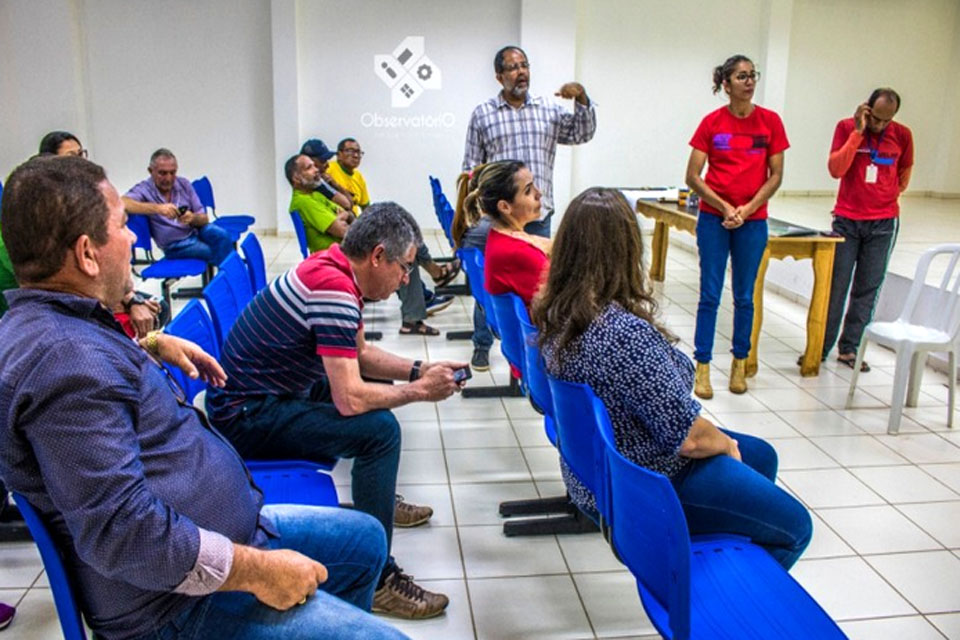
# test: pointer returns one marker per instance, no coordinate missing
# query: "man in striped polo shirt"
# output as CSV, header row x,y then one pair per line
x,y
297,368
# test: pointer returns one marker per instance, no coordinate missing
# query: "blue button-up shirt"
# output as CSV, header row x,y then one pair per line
x,y
498,131
142,496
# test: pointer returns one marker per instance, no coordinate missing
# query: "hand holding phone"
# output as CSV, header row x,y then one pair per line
x,y
182,209
462,375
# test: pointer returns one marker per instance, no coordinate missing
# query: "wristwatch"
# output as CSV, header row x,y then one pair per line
x,y
136,299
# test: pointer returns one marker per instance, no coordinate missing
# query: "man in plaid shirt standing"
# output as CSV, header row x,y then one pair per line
x,y
515,126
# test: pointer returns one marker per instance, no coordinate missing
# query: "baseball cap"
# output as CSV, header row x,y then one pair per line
x,y
315,148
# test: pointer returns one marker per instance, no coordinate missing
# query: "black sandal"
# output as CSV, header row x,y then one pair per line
x,y
418,328
851,362
450,271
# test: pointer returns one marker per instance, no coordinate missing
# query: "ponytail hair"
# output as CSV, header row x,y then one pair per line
x,y
466,214
723,72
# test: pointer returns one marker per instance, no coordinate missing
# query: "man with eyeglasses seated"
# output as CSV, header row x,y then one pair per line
x,y
298,380
417,302
872,156
161,527
515,126
324,221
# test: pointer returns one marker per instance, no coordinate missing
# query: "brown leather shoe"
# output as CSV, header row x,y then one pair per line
x,y
738,375
410,515
401,597
701,382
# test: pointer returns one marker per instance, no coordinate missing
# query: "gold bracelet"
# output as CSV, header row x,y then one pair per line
x,y
150,343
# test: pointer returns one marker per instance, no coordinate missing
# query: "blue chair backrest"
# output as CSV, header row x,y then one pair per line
x,y
140,226
68,610
256,265
193,323
445,213
649,533
225,303
472,261
575,408
301,232
205,192
511,336
536,380
239,277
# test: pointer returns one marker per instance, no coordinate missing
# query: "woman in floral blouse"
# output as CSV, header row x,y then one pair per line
x,y
598,326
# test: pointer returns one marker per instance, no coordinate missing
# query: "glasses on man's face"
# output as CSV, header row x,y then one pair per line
x,y
80,153
353,152
510,68
743,76
408,267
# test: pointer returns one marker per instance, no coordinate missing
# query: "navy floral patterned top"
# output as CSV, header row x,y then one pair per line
x,y
645,383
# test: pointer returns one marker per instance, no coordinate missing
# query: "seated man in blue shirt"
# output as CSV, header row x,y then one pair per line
x,y
161,526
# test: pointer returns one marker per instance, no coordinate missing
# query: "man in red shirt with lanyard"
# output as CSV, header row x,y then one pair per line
x,y
872,156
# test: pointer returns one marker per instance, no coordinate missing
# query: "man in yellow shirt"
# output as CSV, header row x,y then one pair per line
x,y
344,172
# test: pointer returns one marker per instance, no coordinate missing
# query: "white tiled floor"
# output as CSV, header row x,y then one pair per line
x,y
885,557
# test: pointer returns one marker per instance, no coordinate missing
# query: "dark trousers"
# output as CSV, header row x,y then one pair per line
x,y
862,257
293,428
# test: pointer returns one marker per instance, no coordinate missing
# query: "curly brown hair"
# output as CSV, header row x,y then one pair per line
x,y
597,259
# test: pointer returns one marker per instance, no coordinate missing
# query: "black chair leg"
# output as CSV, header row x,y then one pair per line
x,y
460,335
372,336
512,390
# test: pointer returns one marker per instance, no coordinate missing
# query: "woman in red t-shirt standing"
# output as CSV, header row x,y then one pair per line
x,y
743,144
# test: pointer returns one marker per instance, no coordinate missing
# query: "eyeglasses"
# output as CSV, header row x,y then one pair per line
x,y
80,153
510,68
408,267
354,152
744,76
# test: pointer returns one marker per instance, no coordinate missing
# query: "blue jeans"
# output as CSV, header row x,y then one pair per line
x,y
352,547
311,428
210,243
482,336
721,495
745,247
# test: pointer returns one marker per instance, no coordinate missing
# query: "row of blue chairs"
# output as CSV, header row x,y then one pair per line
x,y
281,481
711,587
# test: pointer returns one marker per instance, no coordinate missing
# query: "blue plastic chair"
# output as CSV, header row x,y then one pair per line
x,y
61,584
295,482
578,439
301,232
169,270
235,224
712,587
193,324
511,336
472,260
537,384
256,265
227,295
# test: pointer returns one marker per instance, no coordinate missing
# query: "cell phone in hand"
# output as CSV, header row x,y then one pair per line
x,y
182,209
461,375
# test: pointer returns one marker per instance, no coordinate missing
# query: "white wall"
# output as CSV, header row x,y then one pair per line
x,y
649,66
233,88
129,77
339,91
841,51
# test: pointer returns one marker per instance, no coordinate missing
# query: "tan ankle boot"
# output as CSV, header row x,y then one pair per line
x,y
701,382
738,376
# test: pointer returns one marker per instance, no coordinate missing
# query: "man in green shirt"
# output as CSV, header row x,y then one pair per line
x,y
324,221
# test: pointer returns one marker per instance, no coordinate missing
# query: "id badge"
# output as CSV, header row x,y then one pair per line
x,y
871,177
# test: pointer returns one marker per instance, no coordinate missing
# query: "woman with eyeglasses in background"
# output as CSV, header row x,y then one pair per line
x,y
743,144
62,143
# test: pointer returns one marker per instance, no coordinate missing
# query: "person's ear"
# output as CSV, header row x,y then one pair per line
x,y
84,254
503,207
378,255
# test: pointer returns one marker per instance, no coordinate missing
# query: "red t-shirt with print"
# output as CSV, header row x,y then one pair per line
x,y
737,153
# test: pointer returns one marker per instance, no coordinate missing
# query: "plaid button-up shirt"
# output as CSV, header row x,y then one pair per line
x,y
531,133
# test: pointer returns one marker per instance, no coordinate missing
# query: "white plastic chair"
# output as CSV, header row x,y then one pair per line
x,y
912,342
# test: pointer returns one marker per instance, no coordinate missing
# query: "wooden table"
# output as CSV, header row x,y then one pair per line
x,y
819,249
